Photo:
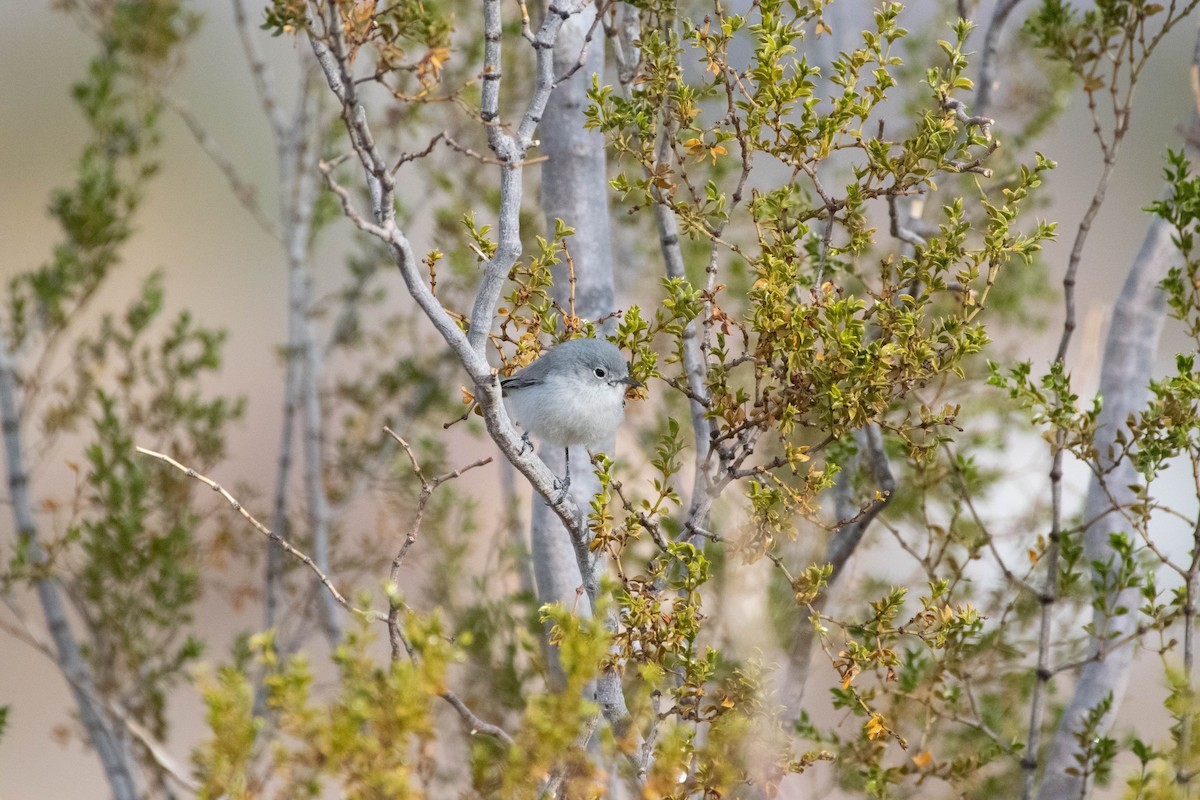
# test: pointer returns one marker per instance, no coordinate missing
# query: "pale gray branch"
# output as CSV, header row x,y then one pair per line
x,y
154,748
335,66
988,82
114,756
264,77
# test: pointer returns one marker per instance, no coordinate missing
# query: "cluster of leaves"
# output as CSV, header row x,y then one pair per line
x,y
529,311
127,554
137,528
1168,427
392,31
371,737
847,352
1097,43
139,45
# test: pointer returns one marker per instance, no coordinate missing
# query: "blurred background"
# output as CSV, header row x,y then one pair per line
x,y
219,264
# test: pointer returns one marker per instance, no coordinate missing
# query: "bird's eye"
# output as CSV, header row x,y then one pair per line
x,y
600,372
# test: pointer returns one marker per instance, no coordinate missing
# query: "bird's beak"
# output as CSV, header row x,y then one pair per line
x,y
634,384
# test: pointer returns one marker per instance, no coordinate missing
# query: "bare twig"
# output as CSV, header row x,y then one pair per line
x,y
399,642
476,725
265,531
988,83
428,485
245,192
960,113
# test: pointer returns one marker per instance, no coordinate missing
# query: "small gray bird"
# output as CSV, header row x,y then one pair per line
x,y
573,394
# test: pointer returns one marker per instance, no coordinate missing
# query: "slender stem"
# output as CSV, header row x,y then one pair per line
x,y
1183,754
1047,598
1049,593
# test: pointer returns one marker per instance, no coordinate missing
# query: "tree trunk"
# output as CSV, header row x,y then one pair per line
x,y
575,190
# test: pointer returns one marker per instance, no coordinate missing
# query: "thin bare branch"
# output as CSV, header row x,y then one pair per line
x,y
245,192
476,725
264,76
265,531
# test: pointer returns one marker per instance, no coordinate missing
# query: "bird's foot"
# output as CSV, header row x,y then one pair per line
x,y
526,445
562,487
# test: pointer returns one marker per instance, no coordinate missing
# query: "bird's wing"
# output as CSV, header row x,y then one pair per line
x,y
518,382
531,375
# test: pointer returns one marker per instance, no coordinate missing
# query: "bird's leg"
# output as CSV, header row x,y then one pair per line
x,y
526,445
563,486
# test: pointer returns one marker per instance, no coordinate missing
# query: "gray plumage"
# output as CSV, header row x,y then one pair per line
x,y
574,394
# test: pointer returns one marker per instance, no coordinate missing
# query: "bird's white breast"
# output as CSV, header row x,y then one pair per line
x,y
563,411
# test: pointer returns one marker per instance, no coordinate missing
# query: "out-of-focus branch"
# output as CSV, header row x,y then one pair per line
x,y
245,192
846,540
298,223
264,77
114,755
296,142
475,724
153,747
902,231
395,634
428,486
1129,357
625,31
988,82
853,522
